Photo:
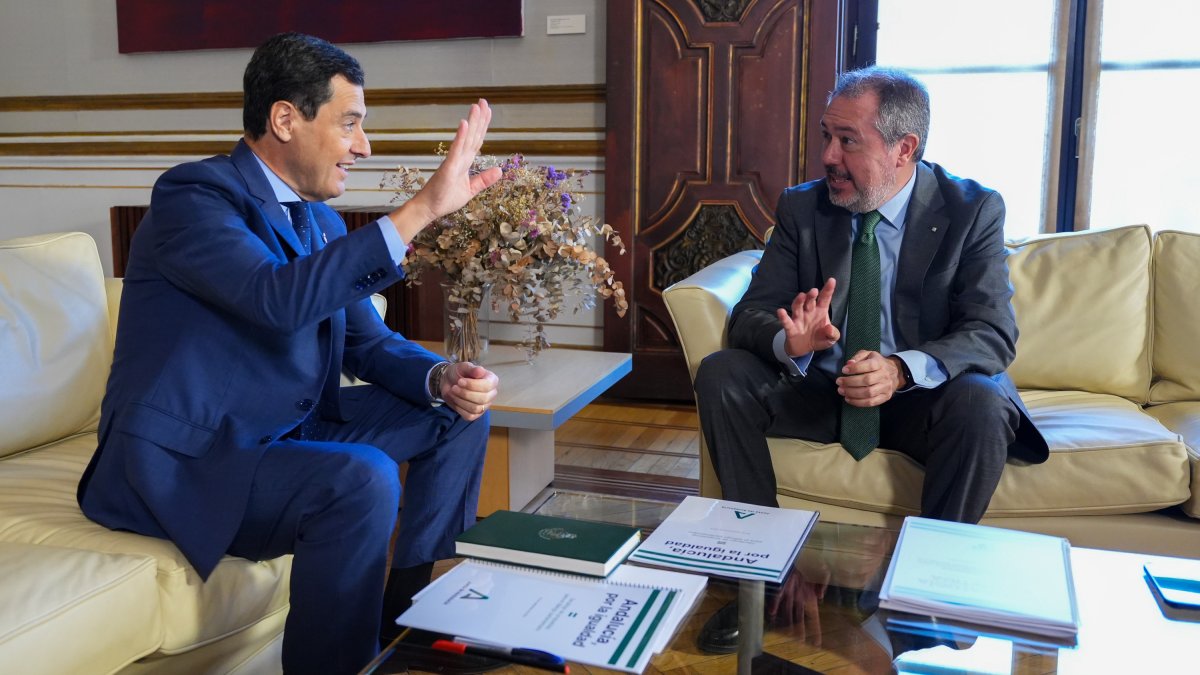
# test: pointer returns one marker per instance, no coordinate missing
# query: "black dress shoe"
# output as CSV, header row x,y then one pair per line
x,y
415,653
720,633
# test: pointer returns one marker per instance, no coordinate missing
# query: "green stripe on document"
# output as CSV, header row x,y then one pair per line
x,y
650,630
634,626
697,563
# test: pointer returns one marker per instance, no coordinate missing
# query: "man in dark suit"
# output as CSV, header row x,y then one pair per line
x,y
921,370
224,427
947,331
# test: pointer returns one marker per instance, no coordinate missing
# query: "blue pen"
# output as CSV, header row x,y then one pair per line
x,y
534,658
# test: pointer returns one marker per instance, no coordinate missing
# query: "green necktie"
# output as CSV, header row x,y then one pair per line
x,y
860,426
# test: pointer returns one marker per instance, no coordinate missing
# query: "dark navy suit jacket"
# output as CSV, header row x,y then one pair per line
x,y
952,298
227,338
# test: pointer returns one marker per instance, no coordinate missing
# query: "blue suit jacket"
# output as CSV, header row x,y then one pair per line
x,y
227,337
952,298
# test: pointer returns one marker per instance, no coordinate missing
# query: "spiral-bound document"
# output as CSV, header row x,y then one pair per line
x,y
616,623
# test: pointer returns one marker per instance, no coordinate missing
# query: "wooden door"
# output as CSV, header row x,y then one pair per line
x,y
708,112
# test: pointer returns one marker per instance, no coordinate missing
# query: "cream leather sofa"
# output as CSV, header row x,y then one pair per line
x,y
76,597
1107,364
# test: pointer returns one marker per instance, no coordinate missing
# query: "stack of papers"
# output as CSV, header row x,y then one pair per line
x,y
1018,581
728,539
618,623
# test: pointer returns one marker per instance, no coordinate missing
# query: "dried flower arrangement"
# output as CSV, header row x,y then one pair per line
x,y
526,237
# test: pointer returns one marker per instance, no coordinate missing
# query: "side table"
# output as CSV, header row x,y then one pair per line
x,y
534,400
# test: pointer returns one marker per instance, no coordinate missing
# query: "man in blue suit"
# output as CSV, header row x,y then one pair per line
x,y
224,427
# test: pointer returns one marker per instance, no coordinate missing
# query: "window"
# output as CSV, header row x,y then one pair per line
x,y
1145,161
1012,83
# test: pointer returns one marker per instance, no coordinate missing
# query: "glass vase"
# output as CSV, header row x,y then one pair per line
x,y
465,328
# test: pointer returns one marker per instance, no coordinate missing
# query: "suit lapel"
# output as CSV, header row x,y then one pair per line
x,y
243,158
832,232
925,226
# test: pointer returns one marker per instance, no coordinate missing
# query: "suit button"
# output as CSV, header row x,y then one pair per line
x,y
306,404
265,440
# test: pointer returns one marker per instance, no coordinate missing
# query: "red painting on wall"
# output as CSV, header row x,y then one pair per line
x,y
176,25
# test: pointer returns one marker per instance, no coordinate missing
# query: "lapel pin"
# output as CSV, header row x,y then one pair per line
x,y
934,229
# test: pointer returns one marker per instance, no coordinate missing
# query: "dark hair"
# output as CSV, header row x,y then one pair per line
x,y
292,67
903,102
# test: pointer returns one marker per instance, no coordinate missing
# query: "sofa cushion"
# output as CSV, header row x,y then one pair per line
x,y
54,338
1176,318
37,505
1106,456
1184,419
74,611
1082,302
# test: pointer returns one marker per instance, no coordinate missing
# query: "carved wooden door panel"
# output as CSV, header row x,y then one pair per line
x,y
707,115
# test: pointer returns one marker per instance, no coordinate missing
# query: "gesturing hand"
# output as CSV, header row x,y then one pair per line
x,y
807,328
452,185
469,389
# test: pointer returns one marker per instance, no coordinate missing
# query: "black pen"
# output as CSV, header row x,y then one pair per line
x,y
535,658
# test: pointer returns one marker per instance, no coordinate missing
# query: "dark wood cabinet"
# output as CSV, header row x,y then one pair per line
x,y
413,311
712,110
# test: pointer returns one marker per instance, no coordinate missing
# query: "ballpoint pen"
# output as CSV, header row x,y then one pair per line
x,y
535,658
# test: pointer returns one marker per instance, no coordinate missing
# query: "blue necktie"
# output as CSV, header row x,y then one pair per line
x,y
860,426
302,222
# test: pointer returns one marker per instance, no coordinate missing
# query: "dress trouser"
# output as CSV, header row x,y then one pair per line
x,y
960,432
332,502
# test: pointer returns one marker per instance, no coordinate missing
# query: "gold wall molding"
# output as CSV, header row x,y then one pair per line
x,y
237,133
535,147
549,93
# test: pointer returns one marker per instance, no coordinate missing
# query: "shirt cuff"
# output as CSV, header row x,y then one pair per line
x,y
796,366
396,246
927,372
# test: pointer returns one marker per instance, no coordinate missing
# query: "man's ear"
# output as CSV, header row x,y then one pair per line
x,y
282,120
908,146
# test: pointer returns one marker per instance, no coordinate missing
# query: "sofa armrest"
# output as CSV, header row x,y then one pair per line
x,y
700,305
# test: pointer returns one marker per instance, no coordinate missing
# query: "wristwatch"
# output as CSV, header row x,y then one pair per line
x,y
435,382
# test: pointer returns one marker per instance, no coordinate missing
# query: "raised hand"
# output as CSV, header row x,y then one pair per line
x,y
807,328
452,185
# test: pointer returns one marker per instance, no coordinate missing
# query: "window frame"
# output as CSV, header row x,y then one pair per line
x,y
862,19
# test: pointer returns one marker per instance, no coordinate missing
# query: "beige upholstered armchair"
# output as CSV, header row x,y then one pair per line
x,y
1104,324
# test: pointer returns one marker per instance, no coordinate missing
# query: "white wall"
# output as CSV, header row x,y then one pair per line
x,y
69,48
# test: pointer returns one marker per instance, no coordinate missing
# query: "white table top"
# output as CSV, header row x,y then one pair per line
x,y
556,385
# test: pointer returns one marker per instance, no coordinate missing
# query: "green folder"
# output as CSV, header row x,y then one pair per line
x,y
579,546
